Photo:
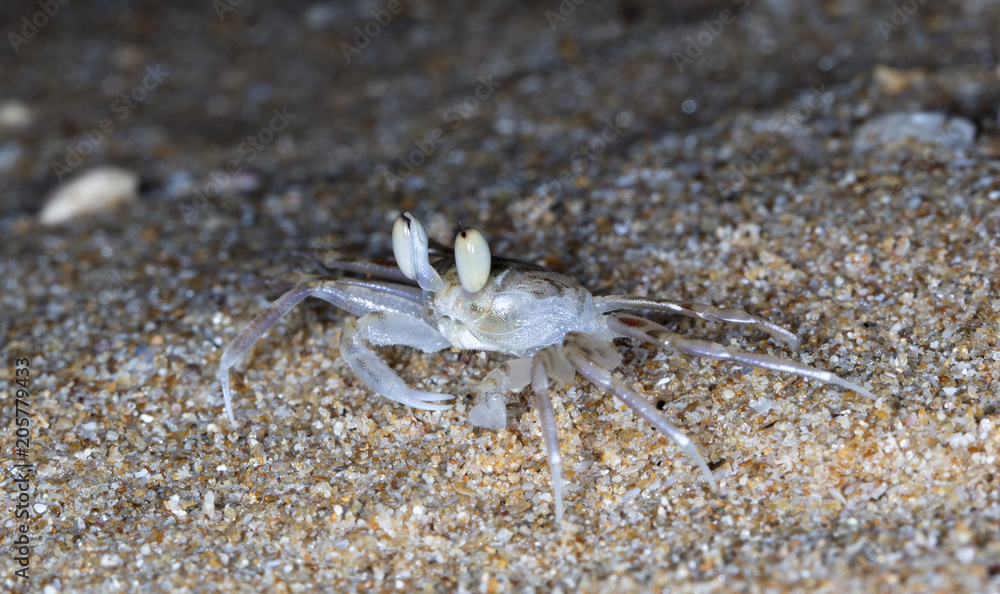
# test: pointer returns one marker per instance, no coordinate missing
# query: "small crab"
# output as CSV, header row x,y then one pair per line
x,y
550,326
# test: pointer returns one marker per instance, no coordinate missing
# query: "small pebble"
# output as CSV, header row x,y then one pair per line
x,y
15,114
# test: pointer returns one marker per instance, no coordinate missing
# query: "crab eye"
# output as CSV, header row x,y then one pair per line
x,y
402,245
472,257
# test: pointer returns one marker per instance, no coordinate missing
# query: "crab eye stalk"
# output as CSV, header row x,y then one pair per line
x,y
472,258
402,246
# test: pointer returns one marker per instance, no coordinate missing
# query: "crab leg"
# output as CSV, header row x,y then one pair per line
x,y
641,328
603,378
391,272
695,310
354,296
550,435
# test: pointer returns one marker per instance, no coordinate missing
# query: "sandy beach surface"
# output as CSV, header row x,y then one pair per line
x,y
832,168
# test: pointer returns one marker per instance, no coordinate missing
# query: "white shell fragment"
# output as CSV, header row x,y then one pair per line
x,y
922,127
93,191
472,258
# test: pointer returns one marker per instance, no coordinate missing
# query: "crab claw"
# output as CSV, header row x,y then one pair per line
x,y
410,247
424,400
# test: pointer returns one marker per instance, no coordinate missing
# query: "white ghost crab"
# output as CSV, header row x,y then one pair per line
x,y
550,326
